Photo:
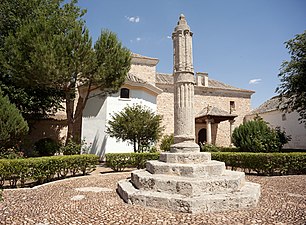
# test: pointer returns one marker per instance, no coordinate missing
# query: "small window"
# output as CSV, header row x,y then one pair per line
x,y
124,93
232,106
284,117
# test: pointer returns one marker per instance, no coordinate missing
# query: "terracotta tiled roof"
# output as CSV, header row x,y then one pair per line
x,y
134,78
162,78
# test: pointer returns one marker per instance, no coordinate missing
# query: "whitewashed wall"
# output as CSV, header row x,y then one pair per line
x,y
99,110
290,124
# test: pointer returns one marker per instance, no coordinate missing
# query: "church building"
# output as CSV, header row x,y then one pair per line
x,y
219,107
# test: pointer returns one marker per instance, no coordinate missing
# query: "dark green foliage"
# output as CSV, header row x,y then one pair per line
x,y
209,148
10,153
292,89
136,124
44,169
257,136
12,124
113,62
30,100
264,163
166,142
48,55
213,148
71,148
46,147
120,161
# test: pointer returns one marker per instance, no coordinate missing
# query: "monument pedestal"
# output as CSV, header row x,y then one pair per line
x,y
186,180
189,182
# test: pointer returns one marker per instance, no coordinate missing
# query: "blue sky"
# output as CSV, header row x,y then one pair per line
x,y
238,42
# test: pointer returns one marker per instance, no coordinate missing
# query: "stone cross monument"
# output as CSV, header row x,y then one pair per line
x,y
185,179
184,122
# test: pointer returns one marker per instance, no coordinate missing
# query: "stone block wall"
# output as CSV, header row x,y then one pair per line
x,y
202,98
144,72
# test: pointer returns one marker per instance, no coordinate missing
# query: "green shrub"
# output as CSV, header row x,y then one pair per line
x,y
166,142
209,148
46,147
213,148
257,136
120,161
44,169
72,148
264,163
10,153
12,124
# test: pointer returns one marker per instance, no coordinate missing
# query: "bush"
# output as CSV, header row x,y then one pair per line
x,y
257,136
213,148
44,169
120,161
166,142
264,163
72,148
46,147
10,153
12,124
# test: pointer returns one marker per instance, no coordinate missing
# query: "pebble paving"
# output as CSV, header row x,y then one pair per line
x,y
92,200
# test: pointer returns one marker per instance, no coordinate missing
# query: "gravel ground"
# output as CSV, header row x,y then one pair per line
x,y
93,200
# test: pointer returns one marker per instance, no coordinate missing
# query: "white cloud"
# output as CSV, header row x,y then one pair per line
x,y
254,81
138,39
133,19
169,37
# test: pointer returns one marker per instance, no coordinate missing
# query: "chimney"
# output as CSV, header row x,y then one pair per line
x,y
202,79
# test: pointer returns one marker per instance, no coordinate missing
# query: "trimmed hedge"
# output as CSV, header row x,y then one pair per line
x,y
264,163
120,161
44,169
261,163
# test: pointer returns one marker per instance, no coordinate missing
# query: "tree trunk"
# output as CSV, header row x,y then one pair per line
x,y
74,119
70,119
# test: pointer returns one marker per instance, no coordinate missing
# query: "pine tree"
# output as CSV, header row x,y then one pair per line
x,y
53,50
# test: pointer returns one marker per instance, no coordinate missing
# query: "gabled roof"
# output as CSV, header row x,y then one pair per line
x,y
163,78
140,59
133,80
214,111
268,106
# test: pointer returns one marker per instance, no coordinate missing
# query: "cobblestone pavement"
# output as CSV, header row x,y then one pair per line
x,y
93,200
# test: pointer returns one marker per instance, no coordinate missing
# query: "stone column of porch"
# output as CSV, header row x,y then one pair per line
x,y
231,132
208,131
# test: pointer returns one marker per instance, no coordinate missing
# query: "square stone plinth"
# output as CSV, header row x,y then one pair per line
x,y
187,170
199,157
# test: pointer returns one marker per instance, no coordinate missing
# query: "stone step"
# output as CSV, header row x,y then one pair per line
x,y
188,186
247,197
187,170
199,157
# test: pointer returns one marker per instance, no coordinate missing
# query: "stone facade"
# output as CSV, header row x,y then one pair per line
x,y
204,96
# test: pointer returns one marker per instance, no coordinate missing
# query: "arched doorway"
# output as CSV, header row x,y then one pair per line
x,y
202,136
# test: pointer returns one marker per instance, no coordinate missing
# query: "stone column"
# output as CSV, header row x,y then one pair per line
x,y
184,120
231,131
208,131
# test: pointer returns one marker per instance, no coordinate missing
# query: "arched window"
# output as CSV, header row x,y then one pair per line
x,y
124,93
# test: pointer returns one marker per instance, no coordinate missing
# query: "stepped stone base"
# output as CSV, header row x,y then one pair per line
x,y
246,197
189,182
